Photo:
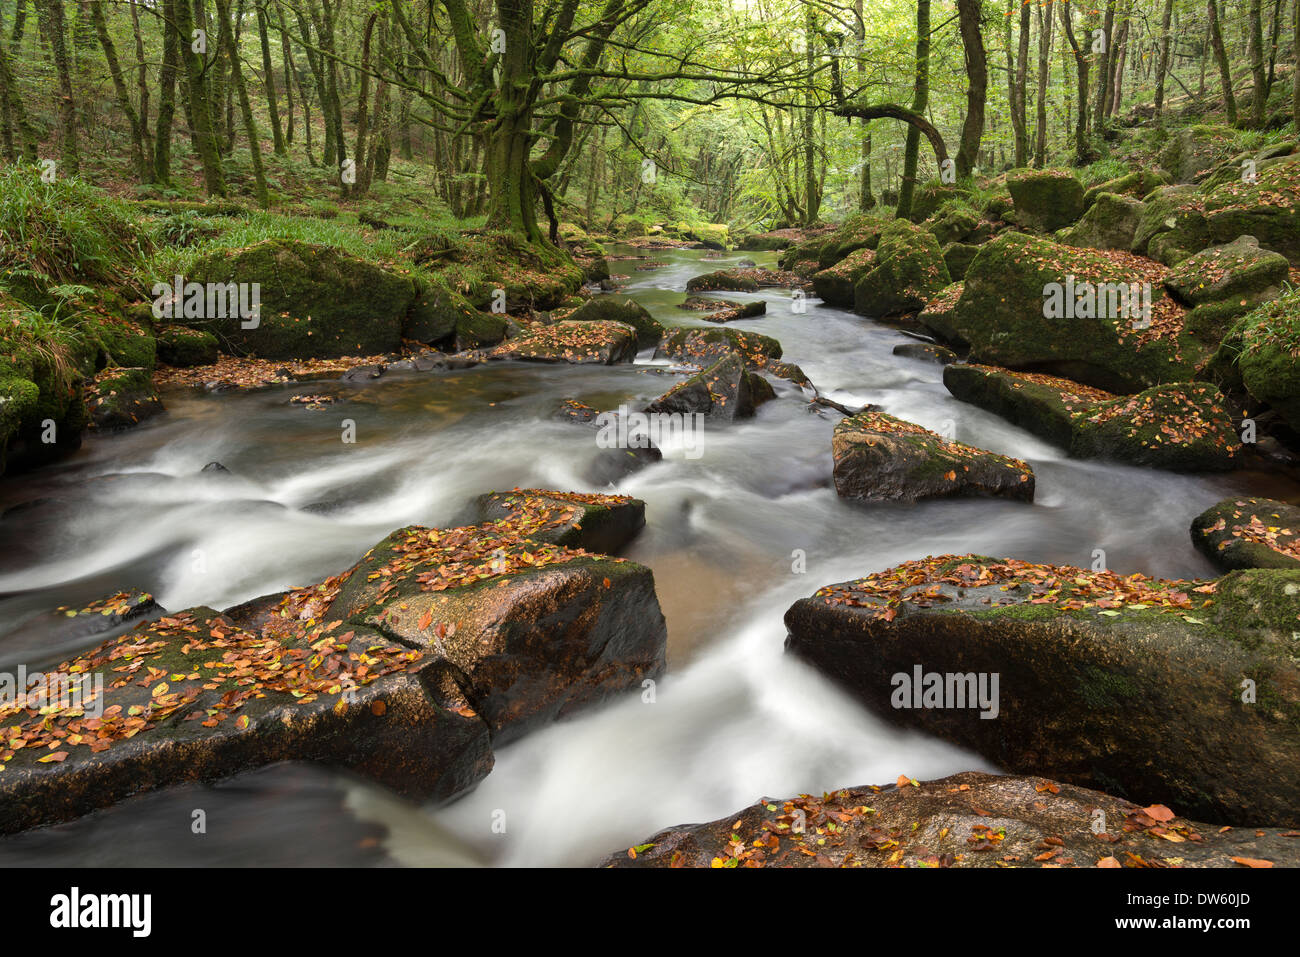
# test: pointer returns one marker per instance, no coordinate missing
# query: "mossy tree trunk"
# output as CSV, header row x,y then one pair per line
x,y
143,162
1163,67
1221,58
200,106
920,100
50,13
970,14
167,73
245,106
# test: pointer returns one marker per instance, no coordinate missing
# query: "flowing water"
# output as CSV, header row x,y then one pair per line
x,y
733,536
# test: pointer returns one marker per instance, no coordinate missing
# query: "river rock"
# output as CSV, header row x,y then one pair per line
x,y
725,390
925,351
1261,353
121,398
1249,533
617,459
597,523
614,309
881,458
836,283
405,668
1182,426
907,272
596,342
1007,314
1184,693
703,347
183,347
316,301
965,820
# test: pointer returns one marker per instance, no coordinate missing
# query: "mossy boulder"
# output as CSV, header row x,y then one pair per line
x,y
958,257
121,398
1172,225
908,271
1110,223
618,309
1045,199
836,284
487,266
881,458
1179,426
703,347
725,390
928,197
1240,272
1249,533
860,231
586,252
1264,348
437,314
480,330
1121,682
183,347
1267,208
316,301
731,280
1030,303
939,314
1195,150
956,221
599,342
1135,185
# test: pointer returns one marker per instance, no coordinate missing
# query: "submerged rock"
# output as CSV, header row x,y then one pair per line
x,y
881,458
617,459
1249,533
926,351
406,668
965,820
1185,693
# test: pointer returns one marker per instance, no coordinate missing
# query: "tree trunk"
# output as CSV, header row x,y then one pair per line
x,y
14,102
1258,70
268,81
1082,151
162,155
142,87
50,13
1221,57
143,168
1044,68
1163,67
920,100
200,104
969,14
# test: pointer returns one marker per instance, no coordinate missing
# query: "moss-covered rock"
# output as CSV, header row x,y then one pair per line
x,y
480,330
316,301
1194,150
836,284
183,347
618,309
958,257
957,221
597,341
1046,199
1135,185
881,458
703,347
1105,680
1249,533
436,314
1264,348
925,351
725,390
939,314
860,231
732,280
1240,272
1172,225
484,266
908,271
121,398
928,197
1268,208
1029,303
1110,223
1179,426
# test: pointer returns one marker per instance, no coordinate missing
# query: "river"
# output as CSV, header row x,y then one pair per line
x,y
733,536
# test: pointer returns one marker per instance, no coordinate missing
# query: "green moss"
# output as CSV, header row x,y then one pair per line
x,y
909,271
